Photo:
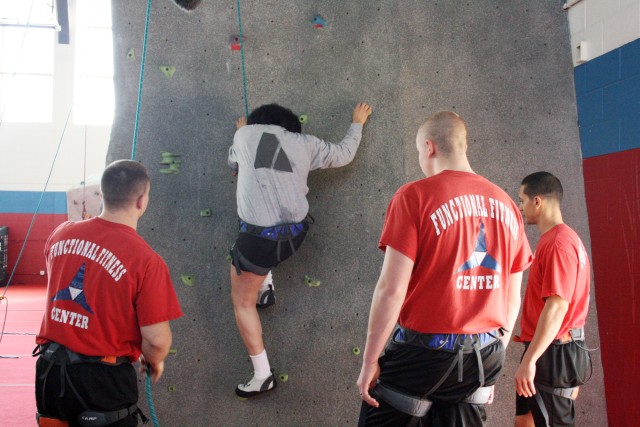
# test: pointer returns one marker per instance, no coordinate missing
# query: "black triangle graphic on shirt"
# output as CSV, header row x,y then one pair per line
x,y
267,148
282,162
270,154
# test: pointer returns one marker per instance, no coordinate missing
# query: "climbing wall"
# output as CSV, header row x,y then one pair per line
x,y
504,66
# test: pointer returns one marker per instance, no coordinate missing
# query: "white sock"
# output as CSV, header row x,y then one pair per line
x,y
268,280
261,367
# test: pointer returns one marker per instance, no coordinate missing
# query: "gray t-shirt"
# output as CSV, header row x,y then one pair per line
x,y
273,165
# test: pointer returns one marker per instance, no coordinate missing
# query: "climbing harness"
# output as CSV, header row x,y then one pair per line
x,y
458,344
574,335
419,406
61,356
278,233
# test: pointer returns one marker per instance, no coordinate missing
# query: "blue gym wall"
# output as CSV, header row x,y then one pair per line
x,y
608,94
505,66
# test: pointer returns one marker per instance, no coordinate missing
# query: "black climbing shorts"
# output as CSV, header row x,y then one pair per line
x,y
258,251
102,387
560,366
416,370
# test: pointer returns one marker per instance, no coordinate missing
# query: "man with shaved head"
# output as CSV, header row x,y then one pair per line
x,y
448,293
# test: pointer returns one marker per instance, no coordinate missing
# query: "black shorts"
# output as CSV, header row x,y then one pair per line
x,y
416,370
560,366
102,387
259,255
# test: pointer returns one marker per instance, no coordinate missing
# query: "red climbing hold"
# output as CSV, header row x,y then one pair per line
x,y
234,42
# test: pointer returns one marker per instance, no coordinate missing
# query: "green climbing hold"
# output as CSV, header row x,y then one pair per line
x,y
173,351
241,399
171,160
131,54
356,351
168,70
188,279
205,213
311,282
284,378
304,119
229,257
172,388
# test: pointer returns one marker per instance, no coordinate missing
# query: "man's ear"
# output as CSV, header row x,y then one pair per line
x,y
431,147
537,200
139,201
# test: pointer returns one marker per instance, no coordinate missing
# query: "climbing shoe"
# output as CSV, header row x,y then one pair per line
x,y
266,295
255,386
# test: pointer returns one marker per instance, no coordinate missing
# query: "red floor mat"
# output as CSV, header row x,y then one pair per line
x,y
24,307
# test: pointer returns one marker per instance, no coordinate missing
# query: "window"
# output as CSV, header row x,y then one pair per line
x,y
94,97
26,61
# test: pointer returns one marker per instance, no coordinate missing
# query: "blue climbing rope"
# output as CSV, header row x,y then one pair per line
x,y
152,409
244,72
144,57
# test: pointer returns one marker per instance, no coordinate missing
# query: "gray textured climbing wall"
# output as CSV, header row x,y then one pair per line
x,y
505,66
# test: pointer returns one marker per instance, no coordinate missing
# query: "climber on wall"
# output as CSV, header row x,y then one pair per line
x,y
272,159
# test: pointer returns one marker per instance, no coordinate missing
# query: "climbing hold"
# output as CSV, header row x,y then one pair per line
x,y
241,399
170,159
235,43
229,258
172,388
168,70
131,54
356,351
311,282
173,351
284,378
188,279
205,212
319,22
304,119
187,5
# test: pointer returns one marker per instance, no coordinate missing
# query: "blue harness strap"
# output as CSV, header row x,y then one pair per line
x,y
275,233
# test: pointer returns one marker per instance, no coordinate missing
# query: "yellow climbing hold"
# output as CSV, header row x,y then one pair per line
x,y
356,351
188,279
284,378
311,282
168,70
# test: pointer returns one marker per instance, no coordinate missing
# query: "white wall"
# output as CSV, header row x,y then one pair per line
x,y
27,150
600,26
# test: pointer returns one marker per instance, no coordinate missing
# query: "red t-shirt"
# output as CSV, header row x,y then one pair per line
x,y
465,236
560,267
105,282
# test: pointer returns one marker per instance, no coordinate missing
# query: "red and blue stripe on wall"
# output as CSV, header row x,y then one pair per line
x,y
16,212
608,95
